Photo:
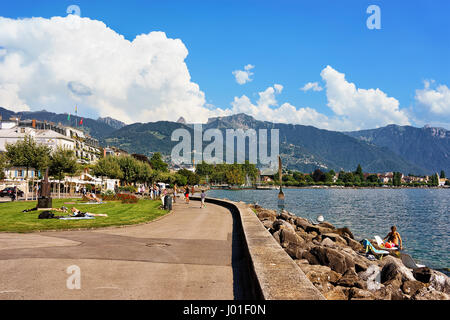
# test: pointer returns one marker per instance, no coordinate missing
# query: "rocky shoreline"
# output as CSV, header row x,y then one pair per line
x,y
339,268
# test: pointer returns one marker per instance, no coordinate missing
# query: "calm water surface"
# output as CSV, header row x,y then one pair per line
x,y
421,215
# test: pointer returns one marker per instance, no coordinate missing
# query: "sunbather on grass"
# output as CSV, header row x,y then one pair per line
x,y
394,239
78,213
92,197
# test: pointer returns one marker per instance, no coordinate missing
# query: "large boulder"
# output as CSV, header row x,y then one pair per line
x,y
429,293
318,230
326,225
360,294
302,223
276,236
335,238
344,232
312,259
372,277
355,245
281,224
332,258
351,279
394,267
440,281
411,287
320,273
267,214
287,236
422,274
267,223
337,293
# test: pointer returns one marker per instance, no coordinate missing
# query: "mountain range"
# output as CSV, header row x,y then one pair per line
x,y
392,148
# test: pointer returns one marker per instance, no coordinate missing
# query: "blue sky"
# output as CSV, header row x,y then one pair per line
x,y
288,43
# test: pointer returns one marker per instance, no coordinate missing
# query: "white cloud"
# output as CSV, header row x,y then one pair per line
x,y
312,86
61,62
436,100
243,76
363,108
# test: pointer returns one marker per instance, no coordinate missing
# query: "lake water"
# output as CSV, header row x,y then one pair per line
x,y
421,215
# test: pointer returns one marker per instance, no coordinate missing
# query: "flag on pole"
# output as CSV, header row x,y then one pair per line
x,y
76,109
68,117
81,122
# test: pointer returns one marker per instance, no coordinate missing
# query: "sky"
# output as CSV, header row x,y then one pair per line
x,y
304,62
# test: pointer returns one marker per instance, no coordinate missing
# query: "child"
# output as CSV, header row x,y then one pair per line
x,y
203,196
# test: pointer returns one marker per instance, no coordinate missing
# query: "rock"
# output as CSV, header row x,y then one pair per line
x,y
355,245
267,224
294,251
310,257
326,225
351,279
392,268
397,293
287,236
440,281
344,232
337,293
276,235
318,273
336,238
281,224
360,294
267,214
429,293
332,258
382,294
301,261
318,230
327,242
422,274
302,223
361,263
411,287
372,277
284,215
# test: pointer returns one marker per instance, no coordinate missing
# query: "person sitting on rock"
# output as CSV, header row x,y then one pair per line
x,y
393,238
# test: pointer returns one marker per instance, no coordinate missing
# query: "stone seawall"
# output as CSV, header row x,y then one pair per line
x,y
274,275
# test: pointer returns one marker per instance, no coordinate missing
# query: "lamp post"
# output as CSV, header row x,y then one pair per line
x,y
280,194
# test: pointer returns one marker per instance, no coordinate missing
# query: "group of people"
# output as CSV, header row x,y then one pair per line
x,y
202,196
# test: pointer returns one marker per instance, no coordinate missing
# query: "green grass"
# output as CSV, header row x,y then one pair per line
x,y
12,219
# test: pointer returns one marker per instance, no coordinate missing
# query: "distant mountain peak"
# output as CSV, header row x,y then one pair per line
x,y
116,124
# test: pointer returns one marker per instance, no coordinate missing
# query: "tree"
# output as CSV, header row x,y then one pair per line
x,y
442,176
157,163
359,172
108,167
129,167
3,166
235,175
191,177
397,179
62,162
204,169
144,172
27,153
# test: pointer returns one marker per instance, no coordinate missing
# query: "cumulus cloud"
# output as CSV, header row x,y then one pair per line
x,y
314,86
352,108
61,62
437,100
364,108
243,76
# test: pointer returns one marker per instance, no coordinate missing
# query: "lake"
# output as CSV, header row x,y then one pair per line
x,y
421,215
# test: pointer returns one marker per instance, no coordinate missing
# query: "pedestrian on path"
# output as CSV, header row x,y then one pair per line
x,y
203,197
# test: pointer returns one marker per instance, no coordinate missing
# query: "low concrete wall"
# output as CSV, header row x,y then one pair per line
x,y
275,275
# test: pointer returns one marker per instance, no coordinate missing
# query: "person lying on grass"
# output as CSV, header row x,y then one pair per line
x,y
78,213
92,197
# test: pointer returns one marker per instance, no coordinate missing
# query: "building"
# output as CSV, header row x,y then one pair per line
x,y
86,148
113,151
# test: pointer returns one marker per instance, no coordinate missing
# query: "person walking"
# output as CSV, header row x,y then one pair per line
x,y
186,194
203,197
175,193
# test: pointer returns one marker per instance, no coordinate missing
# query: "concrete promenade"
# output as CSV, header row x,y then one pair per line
x,y
190,254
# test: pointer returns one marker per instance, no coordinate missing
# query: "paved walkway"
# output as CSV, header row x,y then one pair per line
x,y
189,254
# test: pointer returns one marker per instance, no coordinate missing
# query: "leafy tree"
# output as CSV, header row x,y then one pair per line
x,y
27,153
442,176
204,169
397,179
359,172
372,178
318,175
129,167
62,162
235,175
192,178
3,165
157,163
108,167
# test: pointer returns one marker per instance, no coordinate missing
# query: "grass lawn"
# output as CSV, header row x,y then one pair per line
x,y
12,219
